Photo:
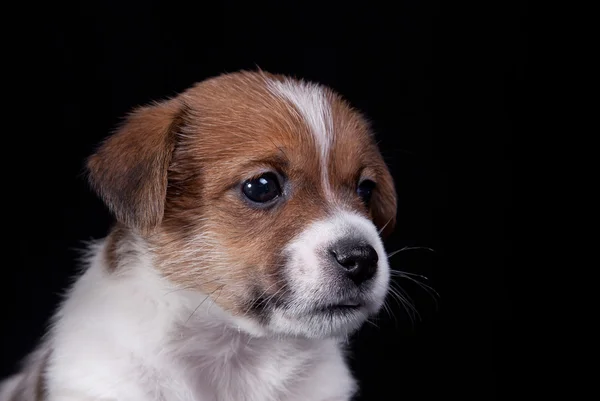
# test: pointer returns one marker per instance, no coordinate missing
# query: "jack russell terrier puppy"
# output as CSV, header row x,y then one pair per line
x,y
247,247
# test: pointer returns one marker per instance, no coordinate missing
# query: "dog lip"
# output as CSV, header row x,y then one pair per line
x,y
340,307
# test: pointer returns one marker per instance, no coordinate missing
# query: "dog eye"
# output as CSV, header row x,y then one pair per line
x,y
262,189
365,191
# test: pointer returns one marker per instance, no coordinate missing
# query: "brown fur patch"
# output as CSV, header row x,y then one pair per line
x,y
129,170
116,248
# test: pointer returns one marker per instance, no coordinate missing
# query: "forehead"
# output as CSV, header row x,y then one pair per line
x,y
253,116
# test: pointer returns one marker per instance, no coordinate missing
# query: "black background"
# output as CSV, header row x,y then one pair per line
x,y
441,82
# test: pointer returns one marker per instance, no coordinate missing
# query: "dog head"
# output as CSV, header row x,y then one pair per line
x,y
267,193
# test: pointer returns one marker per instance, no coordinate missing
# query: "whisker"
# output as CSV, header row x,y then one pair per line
x,y
215,301
427,288
410,248
406,303
200,304
411,277
384,226
279,292
389,311
283,289
409,301
253,304
280,150
402,273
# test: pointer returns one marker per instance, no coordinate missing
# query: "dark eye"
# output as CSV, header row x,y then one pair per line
x,y
365,191
262,189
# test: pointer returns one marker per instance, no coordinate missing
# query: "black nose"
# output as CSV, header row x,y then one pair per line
x,y
358,259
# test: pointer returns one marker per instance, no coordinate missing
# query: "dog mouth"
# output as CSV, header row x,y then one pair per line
x,y
339,308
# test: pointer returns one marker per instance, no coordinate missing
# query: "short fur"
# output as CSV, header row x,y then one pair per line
x,y
199,295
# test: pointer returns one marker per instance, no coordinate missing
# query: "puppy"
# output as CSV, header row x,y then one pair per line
x,y
250,211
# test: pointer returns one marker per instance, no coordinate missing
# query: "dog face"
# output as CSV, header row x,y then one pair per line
x,y
266,193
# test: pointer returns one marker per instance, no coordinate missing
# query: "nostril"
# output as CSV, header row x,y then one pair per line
x,y
344,259
347,260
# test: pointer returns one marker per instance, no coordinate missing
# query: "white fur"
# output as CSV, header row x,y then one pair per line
x,y
312,283
8,386
311,102
130,335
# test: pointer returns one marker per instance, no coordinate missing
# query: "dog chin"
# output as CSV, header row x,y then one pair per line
x,y
335,321
338,321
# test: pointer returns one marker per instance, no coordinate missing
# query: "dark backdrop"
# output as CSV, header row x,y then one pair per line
x,y
440,81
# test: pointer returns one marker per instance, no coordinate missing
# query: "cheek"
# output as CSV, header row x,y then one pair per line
x,y
254,240
251,241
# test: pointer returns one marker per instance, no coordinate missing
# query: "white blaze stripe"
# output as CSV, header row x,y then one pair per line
x,y
312,104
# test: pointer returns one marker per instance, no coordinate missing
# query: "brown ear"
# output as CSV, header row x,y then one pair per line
x,y
129,170
384,203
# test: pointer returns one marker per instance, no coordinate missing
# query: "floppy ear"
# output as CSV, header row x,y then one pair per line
x,y
129,170
384,202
